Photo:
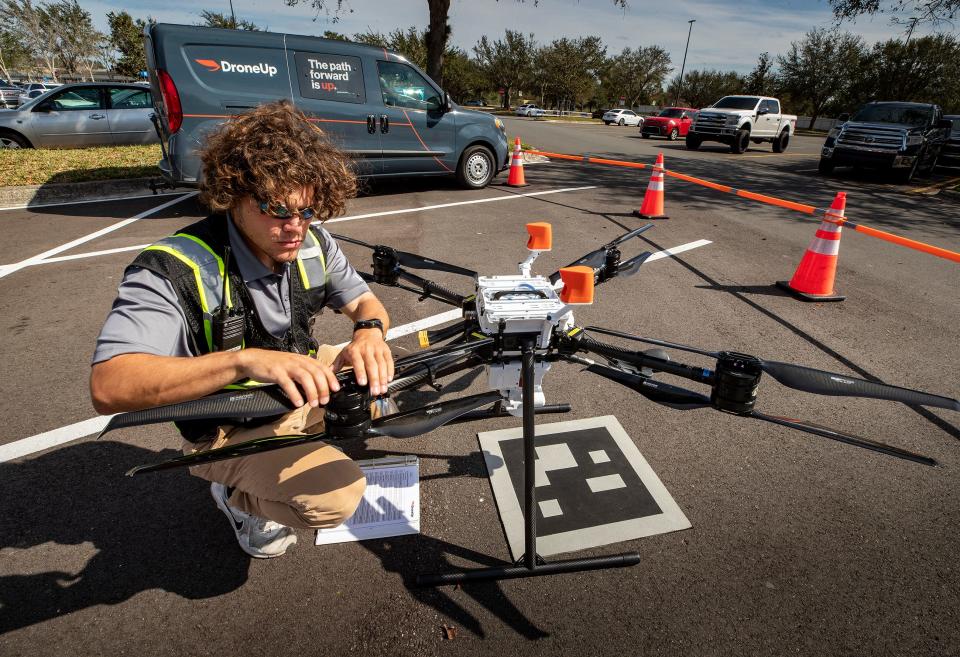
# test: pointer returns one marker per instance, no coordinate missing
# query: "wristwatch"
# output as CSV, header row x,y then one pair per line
x,y
369,324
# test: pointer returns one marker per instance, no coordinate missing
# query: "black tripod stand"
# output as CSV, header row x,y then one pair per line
x,y
530,564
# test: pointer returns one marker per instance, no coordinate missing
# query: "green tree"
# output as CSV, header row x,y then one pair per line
x,y
910,13
77,41
217,19
411,43
34,28
924,70
817,70
636,75
569,70
14,56
438,30
126,36
704,87
761,80
507,63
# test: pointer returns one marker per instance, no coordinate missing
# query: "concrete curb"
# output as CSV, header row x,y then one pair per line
x,y
66,192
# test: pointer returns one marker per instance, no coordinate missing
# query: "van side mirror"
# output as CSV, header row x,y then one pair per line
x,y
843,118
447,105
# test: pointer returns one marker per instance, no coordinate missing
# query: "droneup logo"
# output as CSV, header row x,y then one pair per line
x,y
228,67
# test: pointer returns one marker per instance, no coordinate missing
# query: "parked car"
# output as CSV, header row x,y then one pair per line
x,y
383,111
9,96
903,137
950,153
622,117
81,115
525,110
476,102
27,96
672,123
598,114
739,120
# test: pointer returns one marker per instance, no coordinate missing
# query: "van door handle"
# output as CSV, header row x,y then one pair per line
x,y
384,123
371,124
98,116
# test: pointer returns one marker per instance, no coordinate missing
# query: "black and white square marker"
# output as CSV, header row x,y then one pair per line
x,y
593,486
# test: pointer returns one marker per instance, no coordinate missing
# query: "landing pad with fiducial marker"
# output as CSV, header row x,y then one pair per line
x,y
593,487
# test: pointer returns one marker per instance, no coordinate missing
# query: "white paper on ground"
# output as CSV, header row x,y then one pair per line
x,y
390,504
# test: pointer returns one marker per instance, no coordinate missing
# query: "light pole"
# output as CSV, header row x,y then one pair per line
x,y
676,101
233,17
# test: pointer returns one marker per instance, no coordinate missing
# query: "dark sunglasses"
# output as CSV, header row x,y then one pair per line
x,y
280,211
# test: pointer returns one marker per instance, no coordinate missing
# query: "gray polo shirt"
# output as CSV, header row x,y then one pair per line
x,y
146,317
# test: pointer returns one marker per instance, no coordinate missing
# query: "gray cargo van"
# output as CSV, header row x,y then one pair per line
x,y
386,113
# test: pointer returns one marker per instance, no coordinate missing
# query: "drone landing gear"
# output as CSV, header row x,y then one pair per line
x,y
530,564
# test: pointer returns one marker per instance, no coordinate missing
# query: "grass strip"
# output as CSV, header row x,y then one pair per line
x,y
40,166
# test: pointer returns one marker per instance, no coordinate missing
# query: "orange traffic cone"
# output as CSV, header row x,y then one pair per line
x,y
813,280
516,167
652,207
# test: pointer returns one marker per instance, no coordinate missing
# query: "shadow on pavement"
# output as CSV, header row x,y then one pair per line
x,y
410,556
148,532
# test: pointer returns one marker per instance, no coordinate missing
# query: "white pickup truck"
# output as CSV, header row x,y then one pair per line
x,y
738,120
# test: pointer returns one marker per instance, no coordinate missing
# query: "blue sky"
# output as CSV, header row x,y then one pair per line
x,y
727,35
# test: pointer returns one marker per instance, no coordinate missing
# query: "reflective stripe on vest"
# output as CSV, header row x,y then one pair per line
x,y
207,269
311,263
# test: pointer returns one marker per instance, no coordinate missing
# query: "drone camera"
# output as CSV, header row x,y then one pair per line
x,y
737,378
577,285
541,236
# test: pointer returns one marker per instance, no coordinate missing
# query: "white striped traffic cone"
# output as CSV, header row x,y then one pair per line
x,y
813,280
652,207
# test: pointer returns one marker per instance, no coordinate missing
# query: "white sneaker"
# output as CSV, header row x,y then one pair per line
x,y
258,537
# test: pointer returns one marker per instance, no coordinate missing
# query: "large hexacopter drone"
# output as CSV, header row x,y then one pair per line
x,y
517,327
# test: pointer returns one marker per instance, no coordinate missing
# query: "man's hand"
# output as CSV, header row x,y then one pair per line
x,y
287,370
370,358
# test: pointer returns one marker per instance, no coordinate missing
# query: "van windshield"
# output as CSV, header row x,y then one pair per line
x,y
736,102
902,114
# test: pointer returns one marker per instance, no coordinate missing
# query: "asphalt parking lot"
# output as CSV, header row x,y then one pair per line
x,y
798,544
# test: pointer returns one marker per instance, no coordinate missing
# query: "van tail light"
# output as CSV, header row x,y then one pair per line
x,y
171,101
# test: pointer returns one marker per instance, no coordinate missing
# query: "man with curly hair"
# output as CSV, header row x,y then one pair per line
x,y
177,332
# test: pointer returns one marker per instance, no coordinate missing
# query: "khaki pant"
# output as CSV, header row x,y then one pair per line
x,y
307,486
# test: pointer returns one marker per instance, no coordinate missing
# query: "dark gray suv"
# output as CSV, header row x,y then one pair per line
x,y
382,110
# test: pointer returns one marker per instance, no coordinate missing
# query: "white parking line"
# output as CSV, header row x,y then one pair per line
x,y
69,433
91,254
31,206
6,270
42,258
509,197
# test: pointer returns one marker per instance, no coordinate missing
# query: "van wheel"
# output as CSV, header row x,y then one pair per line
x,y
476,168
780,143
13,140
741,142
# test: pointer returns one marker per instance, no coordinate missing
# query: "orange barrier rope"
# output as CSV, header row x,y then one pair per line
x,y
769,200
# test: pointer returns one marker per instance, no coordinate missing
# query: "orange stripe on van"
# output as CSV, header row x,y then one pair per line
x,y
425,147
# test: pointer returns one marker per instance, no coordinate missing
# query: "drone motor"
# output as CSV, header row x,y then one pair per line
x,y
737,378
348,413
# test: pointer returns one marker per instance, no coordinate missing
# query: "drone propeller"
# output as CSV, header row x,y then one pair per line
x,y
818,382
259,402
656,391
632,266
682,399
427,418
396,425
412,260
597,258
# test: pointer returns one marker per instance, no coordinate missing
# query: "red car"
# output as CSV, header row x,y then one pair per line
x,y
672,123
